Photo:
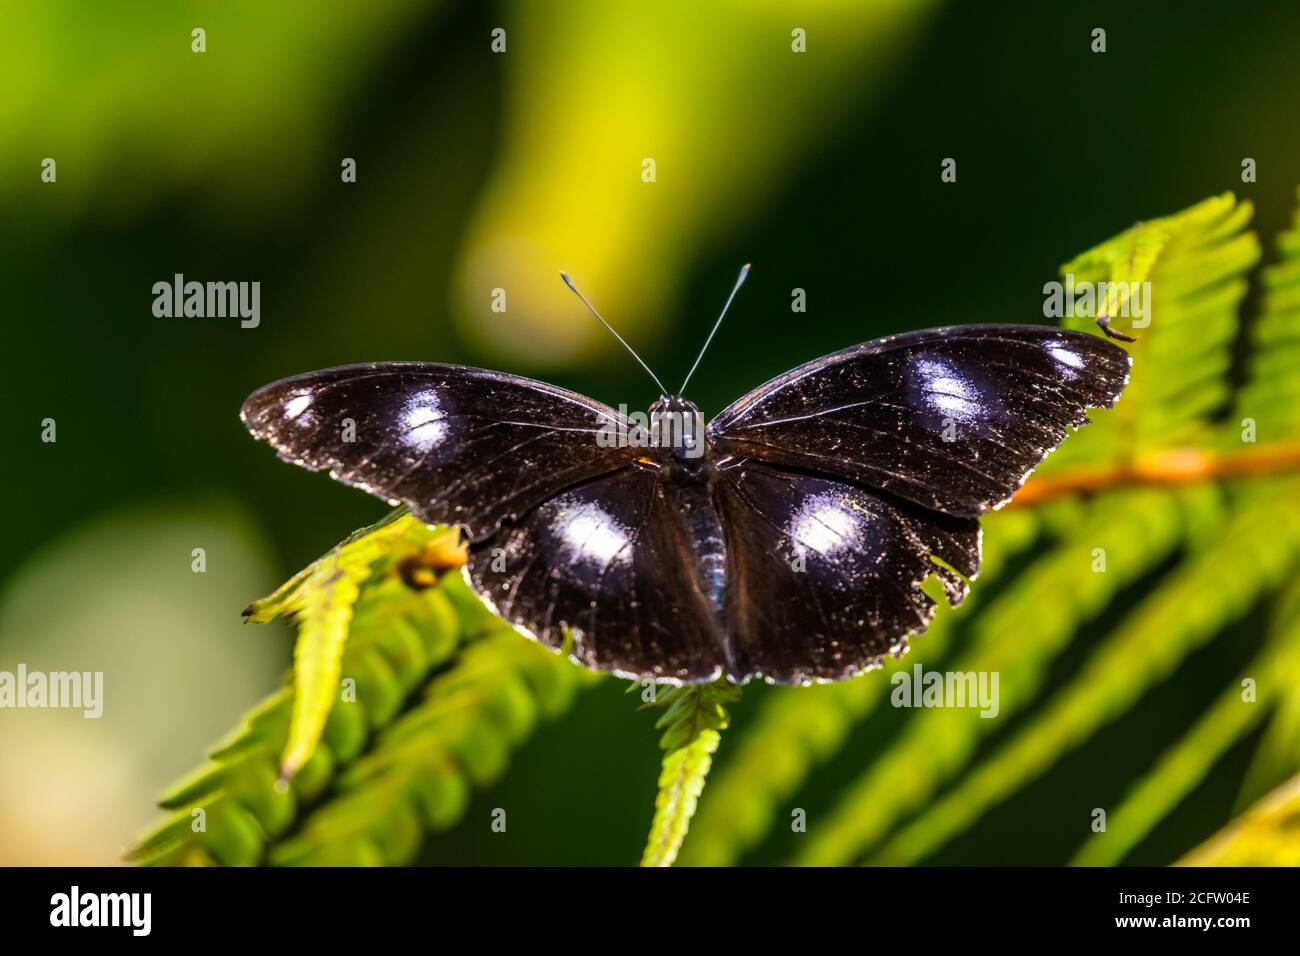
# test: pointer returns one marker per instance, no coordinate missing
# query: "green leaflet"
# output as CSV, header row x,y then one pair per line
x,y
680,784
317,657
1271,399
321,600
692,725
1278,755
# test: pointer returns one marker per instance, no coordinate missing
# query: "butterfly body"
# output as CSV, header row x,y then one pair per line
x,y
690,487
789,539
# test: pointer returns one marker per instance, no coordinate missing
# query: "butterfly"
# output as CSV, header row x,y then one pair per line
x,y
789,539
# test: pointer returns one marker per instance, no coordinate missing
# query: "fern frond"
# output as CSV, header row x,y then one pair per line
x,y
692,724
321,600
1271,397
402,633
1214,587
1268,401
1196,263
1276,675
1196,600
1058,592
418,776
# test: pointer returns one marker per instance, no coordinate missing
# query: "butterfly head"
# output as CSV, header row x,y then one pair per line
x,y
677,428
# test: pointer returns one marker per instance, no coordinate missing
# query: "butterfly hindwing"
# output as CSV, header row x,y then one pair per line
x,y
825,577
457,445
611,562
952,419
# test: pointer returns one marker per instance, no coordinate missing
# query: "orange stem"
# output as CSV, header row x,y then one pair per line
x,y
1180,466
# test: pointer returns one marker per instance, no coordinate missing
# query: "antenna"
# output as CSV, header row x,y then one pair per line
x,y
740,280
574,288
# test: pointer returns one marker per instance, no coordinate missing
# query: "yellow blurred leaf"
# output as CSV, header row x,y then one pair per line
x,y
709,99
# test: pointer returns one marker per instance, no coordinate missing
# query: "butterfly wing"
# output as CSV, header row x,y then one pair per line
x,y
610,561
951,419
848,481
825,577
459,446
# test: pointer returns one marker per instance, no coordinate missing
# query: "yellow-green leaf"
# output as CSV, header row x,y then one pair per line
x,y
680,783
1266,835
693,719
322,632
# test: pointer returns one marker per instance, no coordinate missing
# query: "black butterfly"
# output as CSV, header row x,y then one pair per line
x,y
790,543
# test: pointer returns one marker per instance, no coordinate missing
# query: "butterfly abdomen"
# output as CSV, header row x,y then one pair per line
x,y
705,538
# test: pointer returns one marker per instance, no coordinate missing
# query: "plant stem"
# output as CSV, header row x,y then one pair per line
x,y
1179,466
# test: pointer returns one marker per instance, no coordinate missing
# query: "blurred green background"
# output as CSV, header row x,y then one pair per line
x,y
479,170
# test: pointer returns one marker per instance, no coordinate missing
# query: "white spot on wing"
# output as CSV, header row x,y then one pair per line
x,y
591,533
824,524
945,389
423,420
297,405
1065,356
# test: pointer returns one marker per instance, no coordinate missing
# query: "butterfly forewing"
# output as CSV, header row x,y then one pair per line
x,y
457,445
952,419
